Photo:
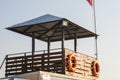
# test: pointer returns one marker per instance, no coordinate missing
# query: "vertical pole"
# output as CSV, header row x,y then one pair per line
x,y
25,63
6,72
33,44
63,54
96,48
48,44
33,49
75,42
63,38
48,51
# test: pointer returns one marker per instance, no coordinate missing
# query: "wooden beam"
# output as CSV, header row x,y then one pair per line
x,y
48,45
33,43
75,42
49,29
48,52
28,28
33,48
63,38
63,51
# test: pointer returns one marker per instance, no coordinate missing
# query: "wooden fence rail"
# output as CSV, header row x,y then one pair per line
x,y
52,62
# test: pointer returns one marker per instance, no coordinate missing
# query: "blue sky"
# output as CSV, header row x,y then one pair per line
x,y
78,11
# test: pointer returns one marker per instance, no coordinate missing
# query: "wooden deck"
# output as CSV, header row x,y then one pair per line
x,y
55,61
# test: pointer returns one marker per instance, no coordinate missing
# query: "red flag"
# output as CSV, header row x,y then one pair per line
x,y
90,2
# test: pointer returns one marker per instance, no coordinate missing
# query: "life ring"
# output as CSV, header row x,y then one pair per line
x,y
72,62
95,68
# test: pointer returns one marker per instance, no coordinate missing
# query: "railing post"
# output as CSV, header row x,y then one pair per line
x,y
63,51
42,68
63,38
24,63
6,66
48,51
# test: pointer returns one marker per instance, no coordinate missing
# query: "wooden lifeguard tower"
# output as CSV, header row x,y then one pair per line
x,y
49,28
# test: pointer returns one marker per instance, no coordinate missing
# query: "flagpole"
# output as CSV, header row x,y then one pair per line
x,y
96,46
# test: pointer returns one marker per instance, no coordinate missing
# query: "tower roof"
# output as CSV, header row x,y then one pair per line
x,y
49,26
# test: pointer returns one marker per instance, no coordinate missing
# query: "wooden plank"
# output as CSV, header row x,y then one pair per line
x,y
12,62
83,66
36,55
17,61
10,58
52,69
36,63
8,74
13,69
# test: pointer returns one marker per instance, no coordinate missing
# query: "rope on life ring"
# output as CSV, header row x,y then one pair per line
x,y
72,62
95,68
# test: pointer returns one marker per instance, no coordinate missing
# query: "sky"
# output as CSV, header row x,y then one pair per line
x,y
78,11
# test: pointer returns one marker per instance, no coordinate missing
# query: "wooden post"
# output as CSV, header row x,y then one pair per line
x,y
63,52
48,44
33,49
33,44
48,50
63,38
75,42
6,72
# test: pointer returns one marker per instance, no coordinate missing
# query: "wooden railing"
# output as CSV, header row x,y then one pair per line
x,y
40,61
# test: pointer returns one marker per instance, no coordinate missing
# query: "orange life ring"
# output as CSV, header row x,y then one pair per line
x,y
72,62
95,68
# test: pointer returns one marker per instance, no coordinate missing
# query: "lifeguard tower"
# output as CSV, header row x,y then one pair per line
x,y
71,65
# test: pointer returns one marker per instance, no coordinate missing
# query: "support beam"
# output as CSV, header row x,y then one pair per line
x,y
33,44
63,38
48,51
63,53
75,42
48,44
33,49
49,30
